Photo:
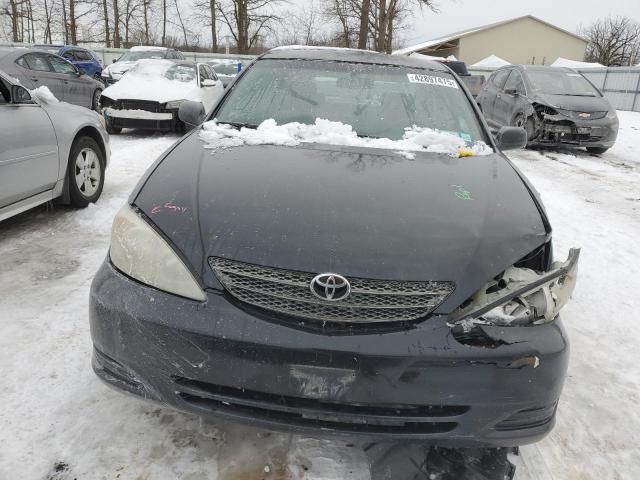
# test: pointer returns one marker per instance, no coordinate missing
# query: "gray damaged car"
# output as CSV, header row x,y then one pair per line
x,y
48,150
557,107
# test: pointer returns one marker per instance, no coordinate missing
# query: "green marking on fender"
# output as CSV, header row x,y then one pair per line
x,y
461,192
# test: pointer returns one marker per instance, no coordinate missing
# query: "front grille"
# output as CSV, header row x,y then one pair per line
x,y
288,292
355,418
139,105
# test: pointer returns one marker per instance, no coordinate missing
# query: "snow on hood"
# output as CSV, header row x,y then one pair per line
x,y
43,94
415,139
564,62
155,80
492,61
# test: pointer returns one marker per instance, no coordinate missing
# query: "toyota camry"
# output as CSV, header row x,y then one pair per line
x,y
340,247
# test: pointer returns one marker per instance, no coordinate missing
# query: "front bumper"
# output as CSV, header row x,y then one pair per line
x,y
220,359
562,130
165,120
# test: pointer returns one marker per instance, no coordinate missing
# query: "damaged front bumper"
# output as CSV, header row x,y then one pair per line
x,y
499,388
559,129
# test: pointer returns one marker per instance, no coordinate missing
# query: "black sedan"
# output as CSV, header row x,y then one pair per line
x,y
35,68
333,286
557,106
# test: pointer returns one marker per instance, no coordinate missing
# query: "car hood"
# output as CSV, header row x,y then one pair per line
x,y
576,104
119,67
137,87
359,212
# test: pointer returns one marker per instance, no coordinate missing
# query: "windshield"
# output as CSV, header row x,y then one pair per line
x,y
561,83
377,101
132,56
230,69
166,69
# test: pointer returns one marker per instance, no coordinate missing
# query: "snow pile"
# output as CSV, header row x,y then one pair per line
x,y
43,94
147,80
324,131
492,61
450,58
564,62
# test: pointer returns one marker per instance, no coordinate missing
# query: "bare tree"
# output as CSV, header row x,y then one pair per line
x,y
386,17
614,41
345,13
304,28
247,20
363,33
209,13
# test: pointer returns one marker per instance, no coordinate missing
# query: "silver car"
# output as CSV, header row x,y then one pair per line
x,y
34,68
48,150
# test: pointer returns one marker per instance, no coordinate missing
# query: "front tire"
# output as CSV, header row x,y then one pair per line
x,y
522,121
597,150
85,172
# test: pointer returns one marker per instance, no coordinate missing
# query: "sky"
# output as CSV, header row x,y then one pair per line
x,y
458,15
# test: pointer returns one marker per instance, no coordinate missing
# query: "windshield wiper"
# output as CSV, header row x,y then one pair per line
x,y
574,94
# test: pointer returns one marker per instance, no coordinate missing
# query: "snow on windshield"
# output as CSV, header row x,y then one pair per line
x,y
170,81
415,139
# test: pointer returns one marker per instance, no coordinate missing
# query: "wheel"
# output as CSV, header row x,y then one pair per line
x,y
85,172
597,150
521,120
95,101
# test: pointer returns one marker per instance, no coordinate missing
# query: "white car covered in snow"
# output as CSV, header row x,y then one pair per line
x,y
151,93
114,72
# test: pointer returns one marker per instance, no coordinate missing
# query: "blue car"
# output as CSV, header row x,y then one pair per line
x,y
83,59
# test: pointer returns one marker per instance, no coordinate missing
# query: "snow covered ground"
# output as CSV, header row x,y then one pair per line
x,y
58,422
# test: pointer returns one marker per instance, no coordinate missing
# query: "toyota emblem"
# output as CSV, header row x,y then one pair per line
x,y
330,286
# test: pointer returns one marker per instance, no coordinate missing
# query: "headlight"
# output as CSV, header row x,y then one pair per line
x,y
521,296
140,252
174,104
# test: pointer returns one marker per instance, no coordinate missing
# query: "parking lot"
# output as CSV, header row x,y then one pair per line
x,y
60,422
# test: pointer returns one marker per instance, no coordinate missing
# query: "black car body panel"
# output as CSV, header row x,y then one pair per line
x,y
316,209
590,122
363,213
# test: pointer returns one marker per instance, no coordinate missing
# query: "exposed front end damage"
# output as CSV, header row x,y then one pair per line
x,y
552,126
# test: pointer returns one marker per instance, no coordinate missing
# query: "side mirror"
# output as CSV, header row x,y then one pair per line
x,y
207,82
114,60
511,138
81,71
191,113
19,94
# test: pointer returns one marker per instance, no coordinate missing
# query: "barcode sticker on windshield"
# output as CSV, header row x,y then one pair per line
x,y
432,80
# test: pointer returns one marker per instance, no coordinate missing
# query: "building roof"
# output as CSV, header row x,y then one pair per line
x,y
464,33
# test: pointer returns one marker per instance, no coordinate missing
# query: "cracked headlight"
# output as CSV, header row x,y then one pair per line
x,y
521,296
140,252
174,104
